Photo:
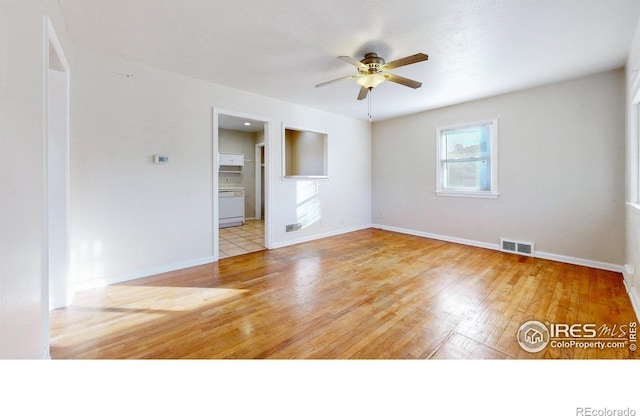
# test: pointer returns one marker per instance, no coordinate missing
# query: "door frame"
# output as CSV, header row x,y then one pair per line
x,y
56,290
258,165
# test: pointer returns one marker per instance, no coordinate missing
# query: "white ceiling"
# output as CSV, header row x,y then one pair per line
x,y
283,48
247,125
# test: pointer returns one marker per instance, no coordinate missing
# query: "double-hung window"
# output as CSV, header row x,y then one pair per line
x,y
468,159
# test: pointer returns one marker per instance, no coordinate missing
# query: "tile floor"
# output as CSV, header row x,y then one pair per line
x,y
242,239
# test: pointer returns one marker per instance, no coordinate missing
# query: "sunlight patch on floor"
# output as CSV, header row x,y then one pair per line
x,y
111,309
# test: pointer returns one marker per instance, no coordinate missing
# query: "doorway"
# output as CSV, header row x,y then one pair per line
x,y
236,138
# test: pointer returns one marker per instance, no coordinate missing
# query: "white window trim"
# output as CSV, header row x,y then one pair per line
x,y
493,192
633,157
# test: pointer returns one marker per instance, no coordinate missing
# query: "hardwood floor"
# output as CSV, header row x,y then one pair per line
x,y
367,294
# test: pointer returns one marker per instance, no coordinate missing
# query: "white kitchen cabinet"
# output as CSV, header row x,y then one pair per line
x,y
231,159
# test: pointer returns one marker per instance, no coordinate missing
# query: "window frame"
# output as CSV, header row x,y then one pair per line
x,y
493,160
633,157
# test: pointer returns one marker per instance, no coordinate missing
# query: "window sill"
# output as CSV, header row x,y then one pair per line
x,y
634,207
469,194
305,177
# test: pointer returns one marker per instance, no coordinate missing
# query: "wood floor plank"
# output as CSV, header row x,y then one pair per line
x,y
370,294
460,347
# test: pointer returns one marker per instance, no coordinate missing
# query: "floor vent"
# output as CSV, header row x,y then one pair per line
x,y
517,247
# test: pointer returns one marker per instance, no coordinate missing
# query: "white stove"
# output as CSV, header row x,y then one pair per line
x,y
231,206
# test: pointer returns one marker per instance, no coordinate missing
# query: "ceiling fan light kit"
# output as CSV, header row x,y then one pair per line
x,y
372,71
371,80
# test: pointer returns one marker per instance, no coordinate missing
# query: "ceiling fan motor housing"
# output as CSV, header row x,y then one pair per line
x,y
373,62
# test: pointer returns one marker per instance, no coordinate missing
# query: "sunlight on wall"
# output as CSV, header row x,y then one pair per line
x,y
86,263
307,202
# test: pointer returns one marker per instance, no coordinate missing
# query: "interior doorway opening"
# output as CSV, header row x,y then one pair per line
x,y
240,186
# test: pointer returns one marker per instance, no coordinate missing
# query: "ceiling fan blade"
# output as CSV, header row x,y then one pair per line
x,y
402,80
353,62
363,93
418,57
322,84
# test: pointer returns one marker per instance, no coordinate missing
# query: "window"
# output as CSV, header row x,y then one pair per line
x,y
633,159
467,159
634,148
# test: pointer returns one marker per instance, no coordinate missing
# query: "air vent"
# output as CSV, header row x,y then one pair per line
x,y
293,227
509,245
517,247
525,248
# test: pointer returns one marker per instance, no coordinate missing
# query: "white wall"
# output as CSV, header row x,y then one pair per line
x,y
23,303
561,176
130,217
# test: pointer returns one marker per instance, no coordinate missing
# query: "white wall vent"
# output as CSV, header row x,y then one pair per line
x,y
517,247
290,228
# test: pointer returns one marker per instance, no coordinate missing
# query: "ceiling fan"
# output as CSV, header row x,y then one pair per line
x,y
372,70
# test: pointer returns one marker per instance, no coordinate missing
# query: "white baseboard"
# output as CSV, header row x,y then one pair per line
x,y
547,256
90,284
438,237
580,262
286,243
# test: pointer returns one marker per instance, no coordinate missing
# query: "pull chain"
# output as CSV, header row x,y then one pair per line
x,y
370,94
